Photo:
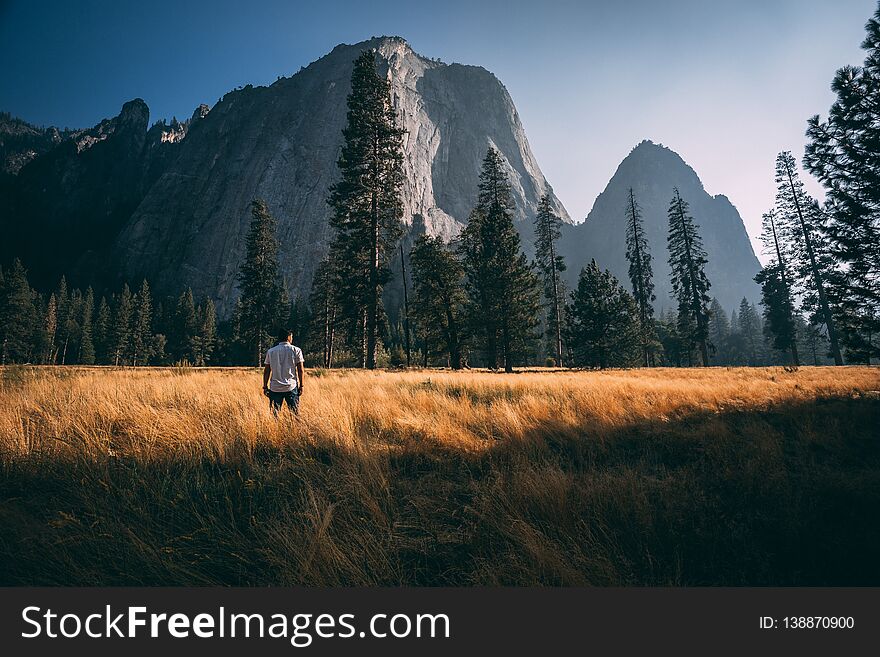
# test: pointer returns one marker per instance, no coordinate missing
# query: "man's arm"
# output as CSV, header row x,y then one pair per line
x,y
267,372
300,375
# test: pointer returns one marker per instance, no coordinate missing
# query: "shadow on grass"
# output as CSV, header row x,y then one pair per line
x,y
785,496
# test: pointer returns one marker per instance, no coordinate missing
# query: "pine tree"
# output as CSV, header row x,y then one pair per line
x,y
641,275
670,339
324,300
750,332
206,336
548,230
103,333
86,343
504,292
842,153
719,331
17,315
438,296
142,338
779,323
687,259
121,327
50,329
65,320
778,293
799,222
603,321
182,337
366,202
261,304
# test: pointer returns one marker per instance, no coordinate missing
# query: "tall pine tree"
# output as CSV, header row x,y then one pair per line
x,y
366,202
438,299
777,292
799,221
603,321
548,230
687,259
843,152
86,343
326,309
779,322
121,326
17,316
261,303
142,340
641,276
504,291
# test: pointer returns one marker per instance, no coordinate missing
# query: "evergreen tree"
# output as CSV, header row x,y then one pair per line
x,y
86,343
366,202
182,337
65,320
603,321
779,324
777,290
260,308
844,155
103,333
503,290
121,328
50,330
438,296
641,276
750,332
670,339
324,301
142,339
811,341
17,314
548,230
799,222
206,337
719,331
687,259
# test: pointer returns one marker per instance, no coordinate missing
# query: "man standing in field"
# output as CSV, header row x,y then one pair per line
x,y
283,374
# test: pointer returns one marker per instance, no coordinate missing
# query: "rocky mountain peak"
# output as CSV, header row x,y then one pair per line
x,y
653,171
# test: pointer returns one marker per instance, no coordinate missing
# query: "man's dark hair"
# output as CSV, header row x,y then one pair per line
x,y
284,333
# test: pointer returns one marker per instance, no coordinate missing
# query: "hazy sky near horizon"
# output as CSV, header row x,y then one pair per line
x,y
725,84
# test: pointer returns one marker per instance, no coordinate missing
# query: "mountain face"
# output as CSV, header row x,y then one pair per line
x,y
280,143
653,171
171,202
65,196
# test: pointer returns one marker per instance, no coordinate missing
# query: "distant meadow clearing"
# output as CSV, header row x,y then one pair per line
x,y
180,476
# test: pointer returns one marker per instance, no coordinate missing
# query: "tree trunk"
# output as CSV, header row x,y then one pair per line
x,y
640,274
697,302
452,338
405,308
817,276
505,336
556,312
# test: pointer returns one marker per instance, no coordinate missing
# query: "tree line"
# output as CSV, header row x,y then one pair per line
x,y
73,327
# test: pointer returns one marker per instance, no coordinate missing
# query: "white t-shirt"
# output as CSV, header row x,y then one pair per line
x,y
282,358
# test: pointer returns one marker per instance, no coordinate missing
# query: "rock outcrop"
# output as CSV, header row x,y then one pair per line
x,y
281,142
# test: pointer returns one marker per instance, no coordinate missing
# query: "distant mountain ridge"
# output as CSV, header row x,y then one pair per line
x,y
170,202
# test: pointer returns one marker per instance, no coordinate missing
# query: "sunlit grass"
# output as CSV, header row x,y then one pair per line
x,y
666,476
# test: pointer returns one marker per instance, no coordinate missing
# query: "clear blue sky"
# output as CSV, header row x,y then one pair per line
x,y
725,84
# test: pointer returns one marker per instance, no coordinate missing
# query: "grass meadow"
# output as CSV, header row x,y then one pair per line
x,y
636,477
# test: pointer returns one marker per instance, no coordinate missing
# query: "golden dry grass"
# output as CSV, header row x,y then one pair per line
x,y
667,476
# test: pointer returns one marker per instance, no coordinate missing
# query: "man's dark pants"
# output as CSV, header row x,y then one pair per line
x,y
278,398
